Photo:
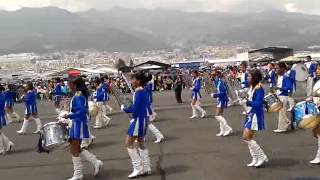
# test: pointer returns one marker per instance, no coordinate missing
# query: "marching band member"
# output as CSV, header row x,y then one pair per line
x,y
222,103
80,130
100,98
196,96
106,85
137,129
30,101
292,76
255,118
5,144
9,103
283,88
272,76
244,78
312,68
58,95
151,114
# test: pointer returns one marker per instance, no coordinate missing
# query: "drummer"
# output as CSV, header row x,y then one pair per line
x,y
312,68
291,73
80,130
283,88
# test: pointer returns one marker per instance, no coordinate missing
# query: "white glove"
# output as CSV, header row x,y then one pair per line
x,y
122,107
212,95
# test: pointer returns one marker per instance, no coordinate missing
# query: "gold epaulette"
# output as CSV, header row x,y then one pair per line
x,y
78,93
258,86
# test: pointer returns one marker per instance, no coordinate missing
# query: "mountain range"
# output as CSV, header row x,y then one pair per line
x,y
51,29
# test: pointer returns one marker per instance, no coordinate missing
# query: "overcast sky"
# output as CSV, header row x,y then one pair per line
x,y
304,6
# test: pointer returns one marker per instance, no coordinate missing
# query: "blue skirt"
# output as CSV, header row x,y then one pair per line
x,y
3,121
196,95
254,122
31,109
57,98
138,127
222,104
79,130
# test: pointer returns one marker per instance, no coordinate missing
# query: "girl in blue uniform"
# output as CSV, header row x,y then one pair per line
x,y
79,129
196,96
151,114
10,96
222,103
138,126
5,144
272,77
30,101
100,98
255,118
58,95
106,88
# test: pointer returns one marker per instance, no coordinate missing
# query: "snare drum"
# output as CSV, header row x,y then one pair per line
x,y
272,103
306,115
54,135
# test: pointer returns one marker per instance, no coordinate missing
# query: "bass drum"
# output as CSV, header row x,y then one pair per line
x,y
306,115
316,89
301,72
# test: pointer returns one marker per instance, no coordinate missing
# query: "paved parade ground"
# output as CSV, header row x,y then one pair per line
x,y
191,150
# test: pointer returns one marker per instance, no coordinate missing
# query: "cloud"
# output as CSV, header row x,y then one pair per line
x,y
304,6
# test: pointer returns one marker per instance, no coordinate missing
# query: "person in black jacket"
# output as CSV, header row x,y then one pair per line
x,y
178,88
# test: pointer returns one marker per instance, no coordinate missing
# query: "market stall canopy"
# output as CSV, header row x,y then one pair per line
x,y
269,54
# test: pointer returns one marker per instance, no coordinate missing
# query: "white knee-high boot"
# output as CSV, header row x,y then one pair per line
x,y
97,164
316,160
253,155
155,131
221,125
136,163
39,125
145,160
8,145
2,146
106,120
99,120
9,118
227,130
24,127
199,108
77,169
258,152
194,112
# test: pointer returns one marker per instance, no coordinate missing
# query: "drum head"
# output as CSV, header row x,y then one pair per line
x,y
301,72
310,122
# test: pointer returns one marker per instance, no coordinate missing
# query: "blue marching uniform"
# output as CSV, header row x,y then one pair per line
x,y
272,78
292,77
79,116
105,87
149,89
221,94
58,92
139,121
2,111
312,69
9,99
100,94
255,118
30,101
196,89
244,80
284,85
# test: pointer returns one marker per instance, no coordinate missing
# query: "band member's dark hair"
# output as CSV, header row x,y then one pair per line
x,y
272,64
58,80
256,76
244,63
309,57
10,87
282,65
1,88
98,81
142,77
80,85
29,86
195,72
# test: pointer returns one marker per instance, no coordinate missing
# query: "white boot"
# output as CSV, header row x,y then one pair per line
x,y
97,164
58,110
136,163
7,143
39,125
316,160
9,118
2,146
106,120
145,159
261,156
77,167
98,121
203,112
24,127
221,126
155,131
194,112
227,130
253,155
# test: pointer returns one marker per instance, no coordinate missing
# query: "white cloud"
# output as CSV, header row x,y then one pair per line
x,y
304,6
